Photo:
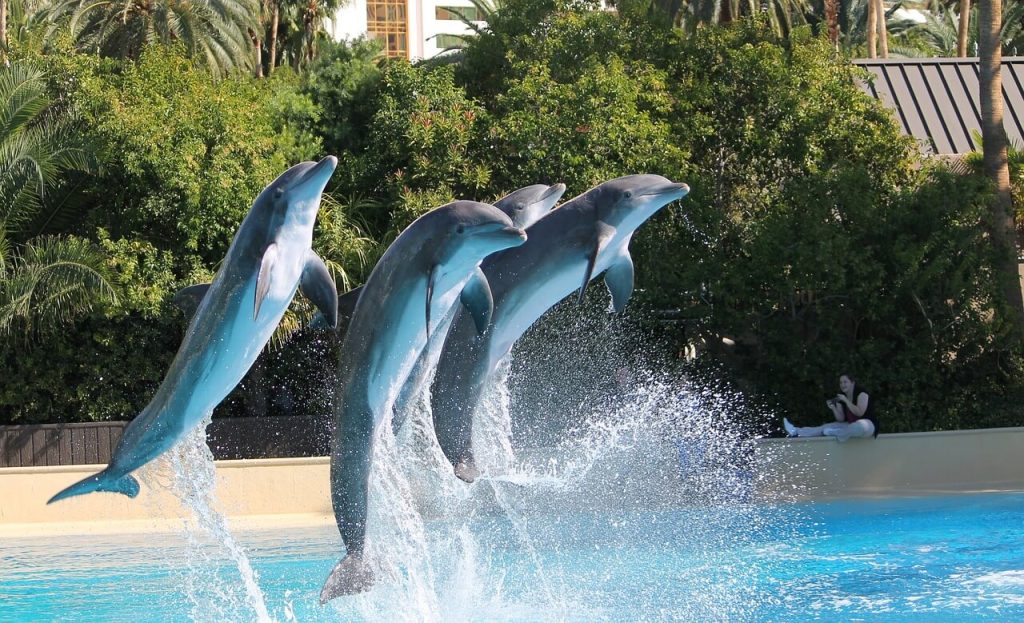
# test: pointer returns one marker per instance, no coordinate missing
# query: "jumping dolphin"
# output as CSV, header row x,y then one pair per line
x,y
431,264
524,206
236,315
566,248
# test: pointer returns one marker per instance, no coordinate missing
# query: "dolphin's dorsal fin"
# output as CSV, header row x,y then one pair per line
x,y
188,299
347,302
478,300
619,279
318,286
602,237
263,278
430,295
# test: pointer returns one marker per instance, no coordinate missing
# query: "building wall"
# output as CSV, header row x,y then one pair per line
x,y
421,25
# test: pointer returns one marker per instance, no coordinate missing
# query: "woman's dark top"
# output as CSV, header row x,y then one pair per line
x,y
869,414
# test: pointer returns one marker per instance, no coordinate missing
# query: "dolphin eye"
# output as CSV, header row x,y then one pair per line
x,y
628,194
460,229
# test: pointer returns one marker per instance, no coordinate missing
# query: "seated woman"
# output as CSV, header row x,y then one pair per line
x,y
853,411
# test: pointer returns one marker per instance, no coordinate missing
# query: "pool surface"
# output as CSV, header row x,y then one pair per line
x,y
957,558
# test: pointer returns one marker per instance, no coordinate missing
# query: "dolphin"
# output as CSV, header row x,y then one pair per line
x,y
431,264
524,206
268,260
566,248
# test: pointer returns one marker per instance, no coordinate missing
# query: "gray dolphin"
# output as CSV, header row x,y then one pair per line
x,y
525,207
566,248
426,269
528,204
269,258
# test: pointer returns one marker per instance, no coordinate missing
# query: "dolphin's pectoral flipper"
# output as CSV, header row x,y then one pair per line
x,y
430,295
477,299
188,299
603,235
619,279
318,286
350,576
263,278
125,485
346,306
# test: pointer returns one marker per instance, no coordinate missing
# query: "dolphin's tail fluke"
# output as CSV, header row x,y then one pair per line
x,y
125,485
350,576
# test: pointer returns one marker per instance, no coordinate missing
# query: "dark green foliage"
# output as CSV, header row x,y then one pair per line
x,y
814,239
181,158
107,366
812,243
340,83
184,155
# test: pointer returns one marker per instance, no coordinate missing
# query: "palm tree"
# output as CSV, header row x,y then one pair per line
x,y
994,154
963,27
781,14
215,31
44,280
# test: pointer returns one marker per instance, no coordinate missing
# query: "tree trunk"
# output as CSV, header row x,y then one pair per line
x,y
883,31
993,141
258,49
965,23
3,27
872,24
832,19
275,17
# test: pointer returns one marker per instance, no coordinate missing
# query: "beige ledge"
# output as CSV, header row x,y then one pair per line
x,y
291,492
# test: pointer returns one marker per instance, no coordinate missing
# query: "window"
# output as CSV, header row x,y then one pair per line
x,y
387,20
450,41
471,13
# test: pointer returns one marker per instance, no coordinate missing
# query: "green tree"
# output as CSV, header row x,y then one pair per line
x,y
416,150
45,280
183,154
997,169
215,32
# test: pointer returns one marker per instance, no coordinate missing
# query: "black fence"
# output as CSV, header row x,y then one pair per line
x,y
228,438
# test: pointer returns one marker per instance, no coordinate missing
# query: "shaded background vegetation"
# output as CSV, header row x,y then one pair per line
x,y
815,240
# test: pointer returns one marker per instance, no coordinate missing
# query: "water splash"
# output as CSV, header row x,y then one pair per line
x,y
188,472
649,494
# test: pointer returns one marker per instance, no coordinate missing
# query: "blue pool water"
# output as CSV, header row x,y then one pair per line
x,y
957,558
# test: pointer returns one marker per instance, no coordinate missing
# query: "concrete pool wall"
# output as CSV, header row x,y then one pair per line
x,y
297,491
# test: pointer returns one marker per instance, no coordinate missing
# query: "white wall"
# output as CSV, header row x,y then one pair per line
x,y
350,22
433,27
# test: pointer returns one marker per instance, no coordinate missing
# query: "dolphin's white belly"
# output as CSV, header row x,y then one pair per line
x,y
236,339
530,301
400,353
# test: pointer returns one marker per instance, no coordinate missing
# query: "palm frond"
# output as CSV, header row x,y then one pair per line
x,y
52,281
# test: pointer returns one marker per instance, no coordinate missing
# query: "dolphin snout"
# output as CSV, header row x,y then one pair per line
x,y
557,189
679,189
504,238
